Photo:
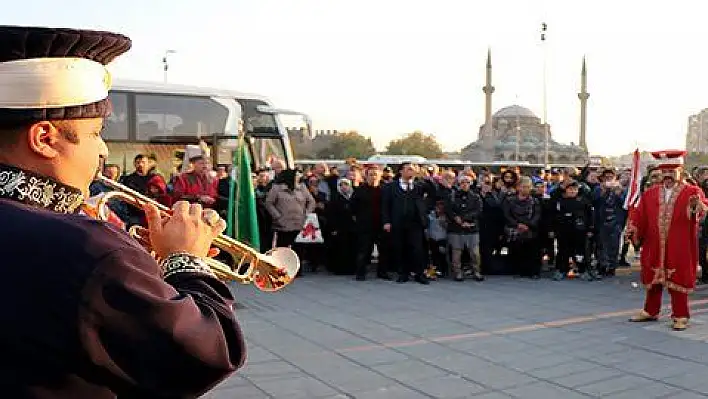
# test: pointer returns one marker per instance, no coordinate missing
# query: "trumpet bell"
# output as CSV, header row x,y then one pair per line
x,y
272,279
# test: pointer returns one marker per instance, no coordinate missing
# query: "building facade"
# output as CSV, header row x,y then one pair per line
x,y
306,146
515,133
697,133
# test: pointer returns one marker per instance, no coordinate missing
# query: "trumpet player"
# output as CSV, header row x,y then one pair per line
x,y
90,313
666,223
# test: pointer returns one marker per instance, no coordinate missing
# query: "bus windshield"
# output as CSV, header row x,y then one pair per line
x,y
159,121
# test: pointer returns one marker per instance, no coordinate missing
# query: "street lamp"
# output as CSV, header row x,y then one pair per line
x,y
165,65
518,133
544,33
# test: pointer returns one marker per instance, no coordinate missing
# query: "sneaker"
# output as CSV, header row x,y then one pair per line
x,y
558,276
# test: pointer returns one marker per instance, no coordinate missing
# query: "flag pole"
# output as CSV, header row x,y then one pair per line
x,y
237,175
232,191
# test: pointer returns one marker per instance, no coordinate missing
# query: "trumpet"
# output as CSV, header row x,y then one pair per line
x,y
269,272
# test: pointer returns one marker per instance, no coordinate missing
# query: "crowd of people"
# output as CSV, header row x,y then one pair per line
x,y
429,222
425,222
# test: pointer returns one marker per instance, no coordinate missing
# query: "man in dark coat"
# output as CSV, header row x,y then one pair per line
x,y
93,314
403,213
366,204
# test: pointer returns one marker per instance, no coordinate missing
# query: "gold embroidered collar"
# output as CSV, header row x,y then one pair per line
x,y
39,191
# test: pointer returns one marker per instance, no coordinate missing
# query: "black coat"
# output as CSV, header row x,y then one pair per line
x,y
572,214
468,207
393,202
366,203
340,214
430,190
527,212
492,212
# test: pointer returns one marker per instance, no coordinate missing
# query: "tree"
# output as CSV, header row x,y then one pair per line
x,y
416,143
346,145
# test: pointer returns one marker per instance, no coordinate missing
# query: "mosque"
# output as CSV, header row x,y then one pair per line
x,y
515,133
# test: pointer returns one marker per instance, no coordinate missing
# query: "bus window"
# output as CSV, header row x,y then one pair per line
x,y
165,116
257,123
115,128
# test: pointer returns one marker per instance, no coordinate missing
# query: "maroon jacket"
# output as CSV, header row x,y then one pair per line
x,y
91,315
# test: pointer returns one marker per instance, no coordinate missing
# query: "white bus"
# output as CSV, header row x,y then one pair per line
x,y
161,119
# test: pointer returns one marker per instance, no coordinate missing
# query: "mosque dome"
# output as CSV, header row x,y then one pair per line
x,y
513,111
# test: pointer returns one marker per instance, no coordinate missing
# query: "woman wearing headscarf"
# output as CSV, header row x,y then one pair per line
x,y
342,230
288,202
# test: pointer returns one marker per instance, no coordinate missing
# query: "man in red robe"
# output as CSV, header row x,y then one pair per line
x,y
196,186
666,223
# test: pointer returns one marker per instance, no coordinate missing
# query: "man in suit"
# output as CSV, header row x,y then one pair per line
x,y
404,216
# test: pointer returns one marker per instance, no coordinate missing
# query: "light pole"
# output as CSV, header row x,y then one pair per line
x,y
518,132
544,29
165,64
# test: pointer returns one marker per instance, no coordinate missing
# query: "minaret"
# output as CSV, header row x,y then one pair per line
x,y
488,90
583,96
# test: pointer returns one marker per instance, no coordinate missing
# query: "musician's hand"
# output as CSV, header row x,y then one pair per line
x,y
186,231
387,227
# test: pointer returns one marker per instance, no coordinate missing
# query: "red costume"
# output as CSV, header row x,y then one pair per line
x,y
157,189
191,186
667,225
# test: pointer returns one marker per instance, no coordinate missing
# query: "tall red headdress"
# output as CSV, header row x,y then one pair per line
x,y
670,159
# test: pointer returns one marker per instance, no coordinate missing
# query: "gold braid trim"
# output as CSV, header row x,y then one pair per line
x,y
678,288
660,279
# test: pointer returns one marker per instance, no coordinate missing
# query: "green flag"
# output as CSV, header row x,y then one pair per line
x,y
242,216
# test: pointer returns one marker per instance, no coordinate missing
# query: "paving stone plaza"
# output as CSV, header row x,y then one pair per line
x,y
331,337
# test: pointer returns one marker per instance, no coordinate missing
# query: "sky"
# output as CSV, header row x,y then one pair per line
x,y
388,67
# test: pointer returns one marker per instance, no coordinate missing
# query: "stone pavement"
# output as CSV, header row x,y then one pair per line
x,y
331,337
